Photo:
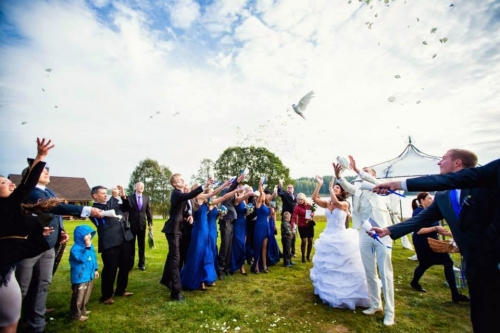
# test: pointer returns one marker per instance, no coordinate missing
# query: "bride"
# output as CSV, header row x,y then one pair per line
x,y
338,275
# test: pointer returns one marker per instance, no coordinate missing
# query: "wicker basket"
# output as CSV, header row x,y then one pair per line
x,y
442,246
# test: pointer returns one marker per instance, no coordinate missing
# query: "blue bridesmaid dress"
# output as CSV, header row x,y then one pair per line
x,y
261,232
199,266
273,250
238,251
213,234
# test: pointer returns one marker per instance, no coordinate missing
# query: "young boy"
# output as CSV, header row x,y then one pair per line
x,y
83,262
286,239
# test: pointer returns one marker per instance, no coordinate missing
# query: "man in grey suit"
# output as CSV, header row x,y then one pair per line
x,y
469,213
139,212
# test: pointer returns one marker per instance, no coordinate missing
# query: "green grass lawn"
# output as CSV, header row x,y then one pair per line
x,y
281,301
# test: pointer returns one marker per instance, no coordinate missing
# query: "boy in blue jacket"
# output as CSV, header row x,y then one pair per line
x,y
83,262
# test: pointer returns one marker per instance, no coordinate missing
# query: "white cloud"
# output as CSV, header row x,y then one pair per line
x,y
183,13
112,72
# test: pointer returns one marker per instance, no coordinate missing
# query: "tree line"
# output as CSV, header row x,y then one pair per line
x,y
260,162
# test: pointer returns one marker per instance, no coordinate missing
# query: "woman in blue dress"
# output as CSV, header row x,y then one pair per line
x,y
261,232
273,251
199,269
238,250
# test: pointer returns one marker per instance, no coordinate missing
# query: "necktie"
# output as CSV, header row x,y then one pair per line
x,y
139,202
50,193
454,202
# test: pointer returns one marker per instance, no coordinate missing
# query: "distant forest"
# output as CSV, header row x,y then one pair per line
x,y
307,185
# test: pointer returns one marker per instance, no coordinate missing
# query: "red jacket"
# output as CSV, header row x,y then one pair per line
x,y
300,212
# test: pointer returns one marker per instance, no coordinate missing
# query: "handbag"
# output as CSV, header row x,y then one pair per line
x,y
311,223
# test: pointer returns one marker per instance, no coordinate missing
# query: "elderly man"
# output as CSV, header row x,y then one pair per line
x,y
368,206
114,242
139,212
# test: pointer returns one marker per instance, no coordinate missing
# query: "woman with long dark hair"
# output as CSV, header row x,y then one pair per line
x,y
426,256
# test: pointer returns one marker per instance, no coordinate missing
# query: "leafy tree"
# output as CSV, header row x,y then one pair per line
x,y
156,179
258,160
201,176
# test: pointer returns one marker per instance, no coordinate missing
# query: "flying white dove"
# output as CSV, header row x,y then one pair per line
x,y
304,101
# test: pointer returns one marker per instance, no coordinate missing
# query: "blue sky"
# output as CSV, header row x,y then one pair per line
x,y
180,81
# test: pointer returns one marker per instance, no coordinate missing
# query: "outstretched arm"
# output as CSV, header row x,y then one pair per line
x,y
219,189
315,196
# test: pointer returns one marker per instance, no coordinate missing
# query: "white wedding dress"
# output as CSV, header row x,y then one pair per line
x,y
338,275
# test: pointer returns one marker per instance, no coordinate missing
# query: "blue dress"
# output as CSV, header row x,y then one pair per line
x,y
273,250
213,234
238,251
199,266
261,232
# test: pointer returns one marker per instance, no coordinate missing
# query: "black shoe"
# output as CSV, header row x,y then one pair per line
x,y
417,287
142,268
460,298
220,276
177,297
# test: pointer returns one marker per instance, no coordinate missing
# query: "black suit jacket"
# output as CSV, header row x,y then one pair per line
x,y
229,203
111,230
177,204
138,217
468,230
288,200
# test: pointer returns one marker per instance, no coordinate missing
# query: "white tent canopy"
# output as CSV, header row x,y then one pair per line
x,y
412,162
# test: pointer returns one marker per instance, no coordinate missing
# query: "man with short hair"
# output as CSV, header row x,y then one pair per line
x,y
35,274
139,212
289,200
368,206
469,213
114,242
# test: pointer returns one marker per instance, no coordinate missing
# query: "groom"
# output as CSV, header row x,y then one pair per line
x,y
368,205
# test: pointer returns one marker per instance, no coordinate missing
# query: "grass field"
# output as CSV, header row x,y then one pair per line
x,y
281,301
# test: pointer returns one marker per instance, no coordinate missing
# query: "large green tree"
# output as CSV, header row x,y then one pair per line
x,y
201,176
156,179
258,160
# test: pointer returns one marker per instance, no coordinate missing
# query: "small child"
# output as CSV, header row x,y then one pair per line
x,y
286,239
83,262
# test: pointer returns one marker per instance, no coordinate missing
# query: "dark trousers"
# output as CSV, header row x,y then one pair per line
x,y
292,244
171,276
484,294
80,298
115,259
448,273
140,235
287,255
226,242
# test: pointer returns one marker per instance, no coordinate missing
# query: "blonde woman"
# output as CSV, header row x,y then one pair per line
x,y
261,232
302,217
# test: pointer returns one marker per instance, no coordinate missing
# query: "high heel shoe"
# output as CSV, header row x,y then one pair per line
x,y
303,259
203,287
417,287
243,272
265,270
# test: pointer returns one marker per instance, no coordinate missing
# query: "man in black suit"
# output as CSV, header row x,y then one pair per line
x,y
35,274
289,200
226,231
187,227
173,232
114,242
469,214
139,212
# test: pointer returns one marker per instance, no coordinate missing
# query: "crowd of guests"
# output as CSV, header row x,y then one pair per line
x,y
350,266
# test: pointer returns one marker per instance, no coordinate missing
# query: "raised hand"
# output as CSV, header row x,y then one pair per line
x,y
121,190
337,168
319,179
332,183
352,163
43,147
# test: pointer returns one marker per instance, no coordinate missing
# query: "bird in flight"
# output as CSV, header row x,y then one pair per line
x,y
302,105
